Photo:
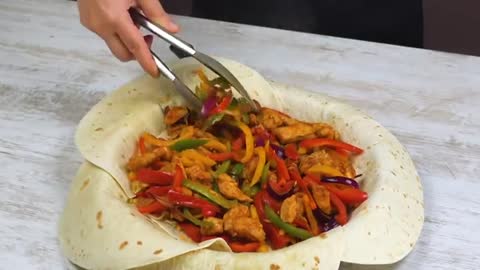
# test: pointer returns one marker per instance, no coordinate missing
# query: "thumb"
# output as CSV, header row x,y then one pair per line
x,y
155,12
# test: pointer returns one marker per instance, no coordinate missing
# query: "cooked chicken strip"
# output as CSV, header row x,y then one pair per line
x,y
292,207
229,188
322,198
212,226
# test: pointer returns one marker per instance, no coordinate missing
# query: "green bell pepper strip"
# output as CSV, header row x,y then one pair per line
x,y
287,228
223,168
264,177
250,191
212,120
191,218
245,118
221,82
213,196
187,144
237,170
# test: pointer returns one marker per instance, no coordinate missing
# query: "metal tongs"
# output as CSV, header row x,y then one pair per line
x,y
182,49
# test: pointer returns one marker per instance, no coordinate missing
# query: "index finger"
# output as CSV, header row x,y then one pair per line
x,y
133,39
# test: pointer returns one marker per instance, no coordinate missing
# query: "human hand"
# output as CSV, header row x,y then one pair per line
x,y
111,21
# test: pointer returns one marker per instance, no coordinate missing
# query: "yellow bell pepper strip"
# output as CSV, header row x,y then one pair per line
x,y
260,151
152,140
203,78
213,196
191,218
187,144
286,227
187,162
216,145
318,142
141,145
248,140
253,212
324,170
312,221
194,155
264,178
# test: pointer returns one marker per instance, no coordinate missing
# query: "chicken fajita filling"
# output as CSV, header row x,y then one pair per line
x,y
260,181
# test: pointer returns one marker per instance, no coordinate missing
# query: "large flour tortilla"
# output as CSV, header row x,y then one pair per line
x,y
382,230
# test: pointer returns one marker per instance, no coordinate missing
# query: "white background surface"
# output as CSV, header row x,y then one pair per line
x,y
52,71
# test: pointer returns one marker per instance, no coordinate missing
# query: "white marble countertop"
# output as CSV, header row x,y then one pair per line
x,y
52,71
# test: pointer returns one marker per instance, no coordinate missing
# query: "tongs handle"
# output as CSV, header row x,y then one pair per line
x,y
161,32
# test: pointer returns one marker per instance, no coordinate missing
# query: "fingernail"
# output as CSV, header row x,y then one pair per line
x,y
173,26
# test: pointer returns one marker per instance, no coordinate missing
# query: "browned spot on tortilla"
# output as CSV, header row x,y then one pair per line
x,y
218,267
99,129
123,245
158,251
323,235
109,103
411,244
369,233
317,260
85,184
99,219
139,243
274,266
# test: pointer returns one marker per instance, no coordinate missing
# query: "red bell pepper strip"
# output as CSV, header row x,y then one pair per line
x,y
225,237
341,217
178,198
291,151
223,105
191,231
221,156
179,177
154,207
244,247
302,223
342,152
281,166
303,185
154,177
282,187
277,239
158,190
310,143
272,202
347,195
238,143
141,145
